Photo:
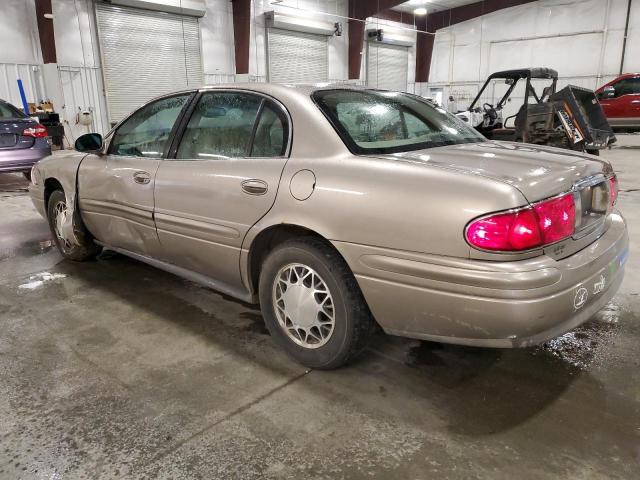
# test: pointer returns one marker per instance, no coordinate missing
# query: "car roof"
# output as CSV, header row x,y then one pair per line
x,y
287,92
539,72
281,91
628,75
279,88
12,106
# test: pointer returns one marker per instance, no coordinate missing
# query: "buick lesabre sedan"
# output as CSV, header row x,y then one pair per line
x,y
338,209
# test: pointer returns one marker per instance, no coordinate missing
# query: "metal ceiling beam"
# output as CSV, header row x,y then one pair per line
x,y
241,34
45,31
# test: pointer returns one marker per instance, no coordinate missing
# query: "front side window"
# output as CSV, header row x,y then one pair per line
x,y
220,127
390,122
627,86
146,132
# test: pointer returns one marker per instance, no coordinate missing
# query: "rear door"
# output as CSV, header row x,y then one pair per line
x,y
116,189
221,179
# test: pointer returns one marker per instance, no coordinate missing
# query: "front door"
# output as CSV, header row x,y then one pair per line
x,y
222,179
623,108
116,189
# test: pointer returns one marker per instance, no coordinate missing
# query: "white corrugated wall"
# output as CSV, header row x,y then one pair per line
x,y
581,39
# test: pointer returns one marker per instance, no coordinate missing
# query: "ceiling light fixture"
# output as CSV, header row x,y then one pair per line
x,y
420,11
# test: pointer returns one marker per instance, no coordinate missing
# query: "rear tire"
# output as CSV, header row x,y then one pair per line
x,y
86,249
312,304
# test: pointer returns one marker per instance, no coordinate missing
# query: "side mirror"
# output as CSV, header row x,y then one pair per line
x,y
89,143
609,92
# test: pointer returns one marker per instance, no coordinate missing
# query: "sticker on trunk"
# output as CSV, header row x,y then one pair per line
x,y
582,294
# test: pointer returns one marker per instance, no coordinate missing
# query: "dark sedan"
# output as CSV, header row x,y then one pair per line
x,y
23,141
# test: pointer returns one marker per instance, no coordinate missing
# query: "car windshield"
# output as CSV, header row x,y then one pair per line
x,y
8,111
391,122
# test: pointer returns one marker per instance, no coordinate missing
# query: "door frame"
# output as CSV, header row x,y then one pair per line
x,y
183,119
187,108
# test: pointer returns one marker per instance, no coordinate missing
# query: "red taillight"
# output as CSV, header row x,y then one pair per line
x,y
544,223
38,131
505,231
557,218
613,190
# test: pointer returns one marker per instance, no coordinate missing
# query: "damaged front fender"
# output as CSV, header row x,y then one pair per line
x,y
60,170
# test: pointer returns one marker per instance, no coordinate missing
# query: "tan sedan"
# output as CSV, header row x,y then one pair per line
x,y
339,209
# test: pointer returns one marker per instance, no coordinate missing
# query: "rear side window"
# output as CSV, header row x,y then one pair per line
x,y
8,111
221,126
270,139
371,121
146,132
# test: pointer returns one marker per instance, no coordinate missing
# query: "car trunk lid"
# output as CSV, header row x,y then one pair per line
x,y
538,172
11,133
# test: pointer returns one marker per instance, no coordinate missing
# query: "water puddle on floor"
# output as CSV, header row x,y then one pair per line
x,y
39,279
27,249
256,322
13,183
581,346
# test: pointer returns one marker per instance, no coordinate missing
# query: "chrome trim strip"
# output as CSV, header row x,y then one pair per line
x,y
588,182
277,102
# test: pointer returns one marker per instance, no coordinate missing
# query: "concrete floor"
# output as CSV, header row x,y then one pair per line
x,y
112,369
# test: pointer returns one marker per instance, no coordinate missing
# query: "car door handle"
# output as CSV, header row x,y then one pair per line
x,y
635,101
142,178
254,187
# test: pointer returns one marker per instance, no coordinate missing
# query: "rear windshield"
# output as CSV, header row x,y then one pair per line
x,y
9,111
389,122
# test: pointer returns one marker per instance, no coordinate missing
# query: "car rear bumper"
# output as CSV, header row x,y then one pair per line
x,y
22,159
491,304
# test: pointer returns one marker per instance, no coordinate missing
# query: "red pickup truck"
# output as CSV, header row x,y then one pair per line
x,y
620,100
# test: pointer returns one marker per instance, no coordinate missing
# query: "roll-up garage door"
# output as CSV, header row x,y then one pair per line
x,y
297,57
146,54
387,66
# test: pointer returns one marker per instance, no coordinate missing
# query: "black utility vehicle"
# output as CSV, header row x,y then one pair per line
x,y
569,118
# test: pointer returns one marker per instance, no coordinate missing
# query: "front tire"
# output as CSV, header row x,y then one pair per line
x,y
312,304
80,251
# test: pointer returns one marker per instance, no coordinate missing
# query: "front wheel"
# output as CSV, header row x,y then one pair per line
x,y
312,304
81,247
